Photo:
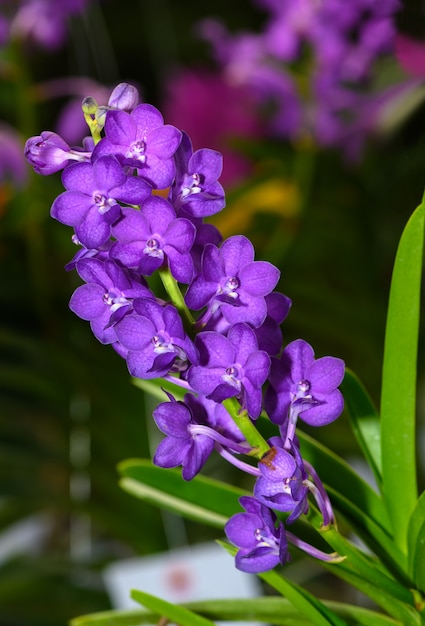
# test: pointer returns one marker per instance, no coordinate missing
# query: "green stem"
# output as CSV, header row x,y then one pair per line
x,y
172,288
245,425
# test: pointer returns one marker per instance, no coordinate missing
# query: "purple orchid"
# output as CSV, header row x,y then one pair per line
x,y
232,280
124,97
231,366
262,545
141,140
107,295
269,335
193,428
90,202
282,482
155,340
305,387
48,153
183,444
195,189
149,237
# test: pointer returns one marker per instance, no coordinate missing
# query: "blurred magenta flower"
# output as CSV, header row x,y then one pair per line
x,y
211,125
411,55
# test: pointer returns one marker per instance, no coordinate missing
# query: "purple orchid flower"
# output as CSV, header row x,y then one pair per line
x,y
155,340
146,238
90,203
183,444
269,335
231,366
107,296
305,387
193,428
141,140
262,545
48,153
232,280
195,188
282,482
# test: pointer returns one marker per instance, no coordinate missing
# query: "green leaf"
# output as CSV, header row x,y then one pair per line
x,y
271,609
336,473
372,534
179,614
155,386
398,395
116,618
202,499
416,543
365,422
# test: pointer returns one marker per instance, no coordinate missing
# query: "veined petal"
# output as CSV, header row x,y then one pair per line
x,y
181,234
330,407
93,230
86,301
236,252
71,207
199,293
108,173
215,350
169,455
173,418
79,177
301,356
208,162
134,191
164,141
259,278
120,128
135,332
146,117
325,374
242,337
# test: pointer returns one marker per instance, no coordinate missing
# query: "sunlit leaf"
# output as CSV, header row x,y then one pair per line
x,y
398,395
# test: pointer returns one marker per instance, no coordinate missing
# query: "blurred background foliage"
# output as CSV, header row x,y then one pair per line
x,y
68,411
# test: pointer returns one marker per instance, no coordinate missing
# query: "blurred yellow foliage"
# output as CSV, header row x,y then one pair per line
x,y
274,196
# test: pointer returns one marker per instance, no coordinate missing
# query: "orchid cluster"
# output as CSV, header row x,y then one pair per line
x,y
137,196
311,65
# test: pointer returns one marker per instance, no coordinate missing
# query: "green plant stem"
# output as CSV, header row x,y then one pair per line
x,y
245,425
172,288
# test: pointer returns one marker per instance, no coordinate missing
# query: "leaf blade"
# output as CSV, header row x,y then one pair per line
x,y
398,395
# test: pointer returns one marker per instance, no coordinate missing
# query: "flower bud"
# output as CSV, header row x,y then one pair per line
x,y
124,97
47,153
89,106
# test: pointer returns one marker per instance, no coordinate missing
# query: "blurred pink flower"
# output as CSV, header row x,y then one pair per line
x,y
410,54
214,113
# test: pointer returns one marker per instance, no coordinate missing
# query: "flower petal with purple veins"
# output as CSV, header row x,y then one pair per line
x,y
326,373
236,251
259,278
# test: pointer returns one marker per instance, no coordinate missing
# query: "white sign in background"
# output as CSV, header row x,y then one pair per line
x,y
200,572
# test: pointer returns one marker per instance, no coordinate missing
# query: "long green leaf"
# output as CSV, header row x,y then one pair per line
x,y
179,614
398,395
336,473
416,543
202,499
271,609
116,618
372,535
365,422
